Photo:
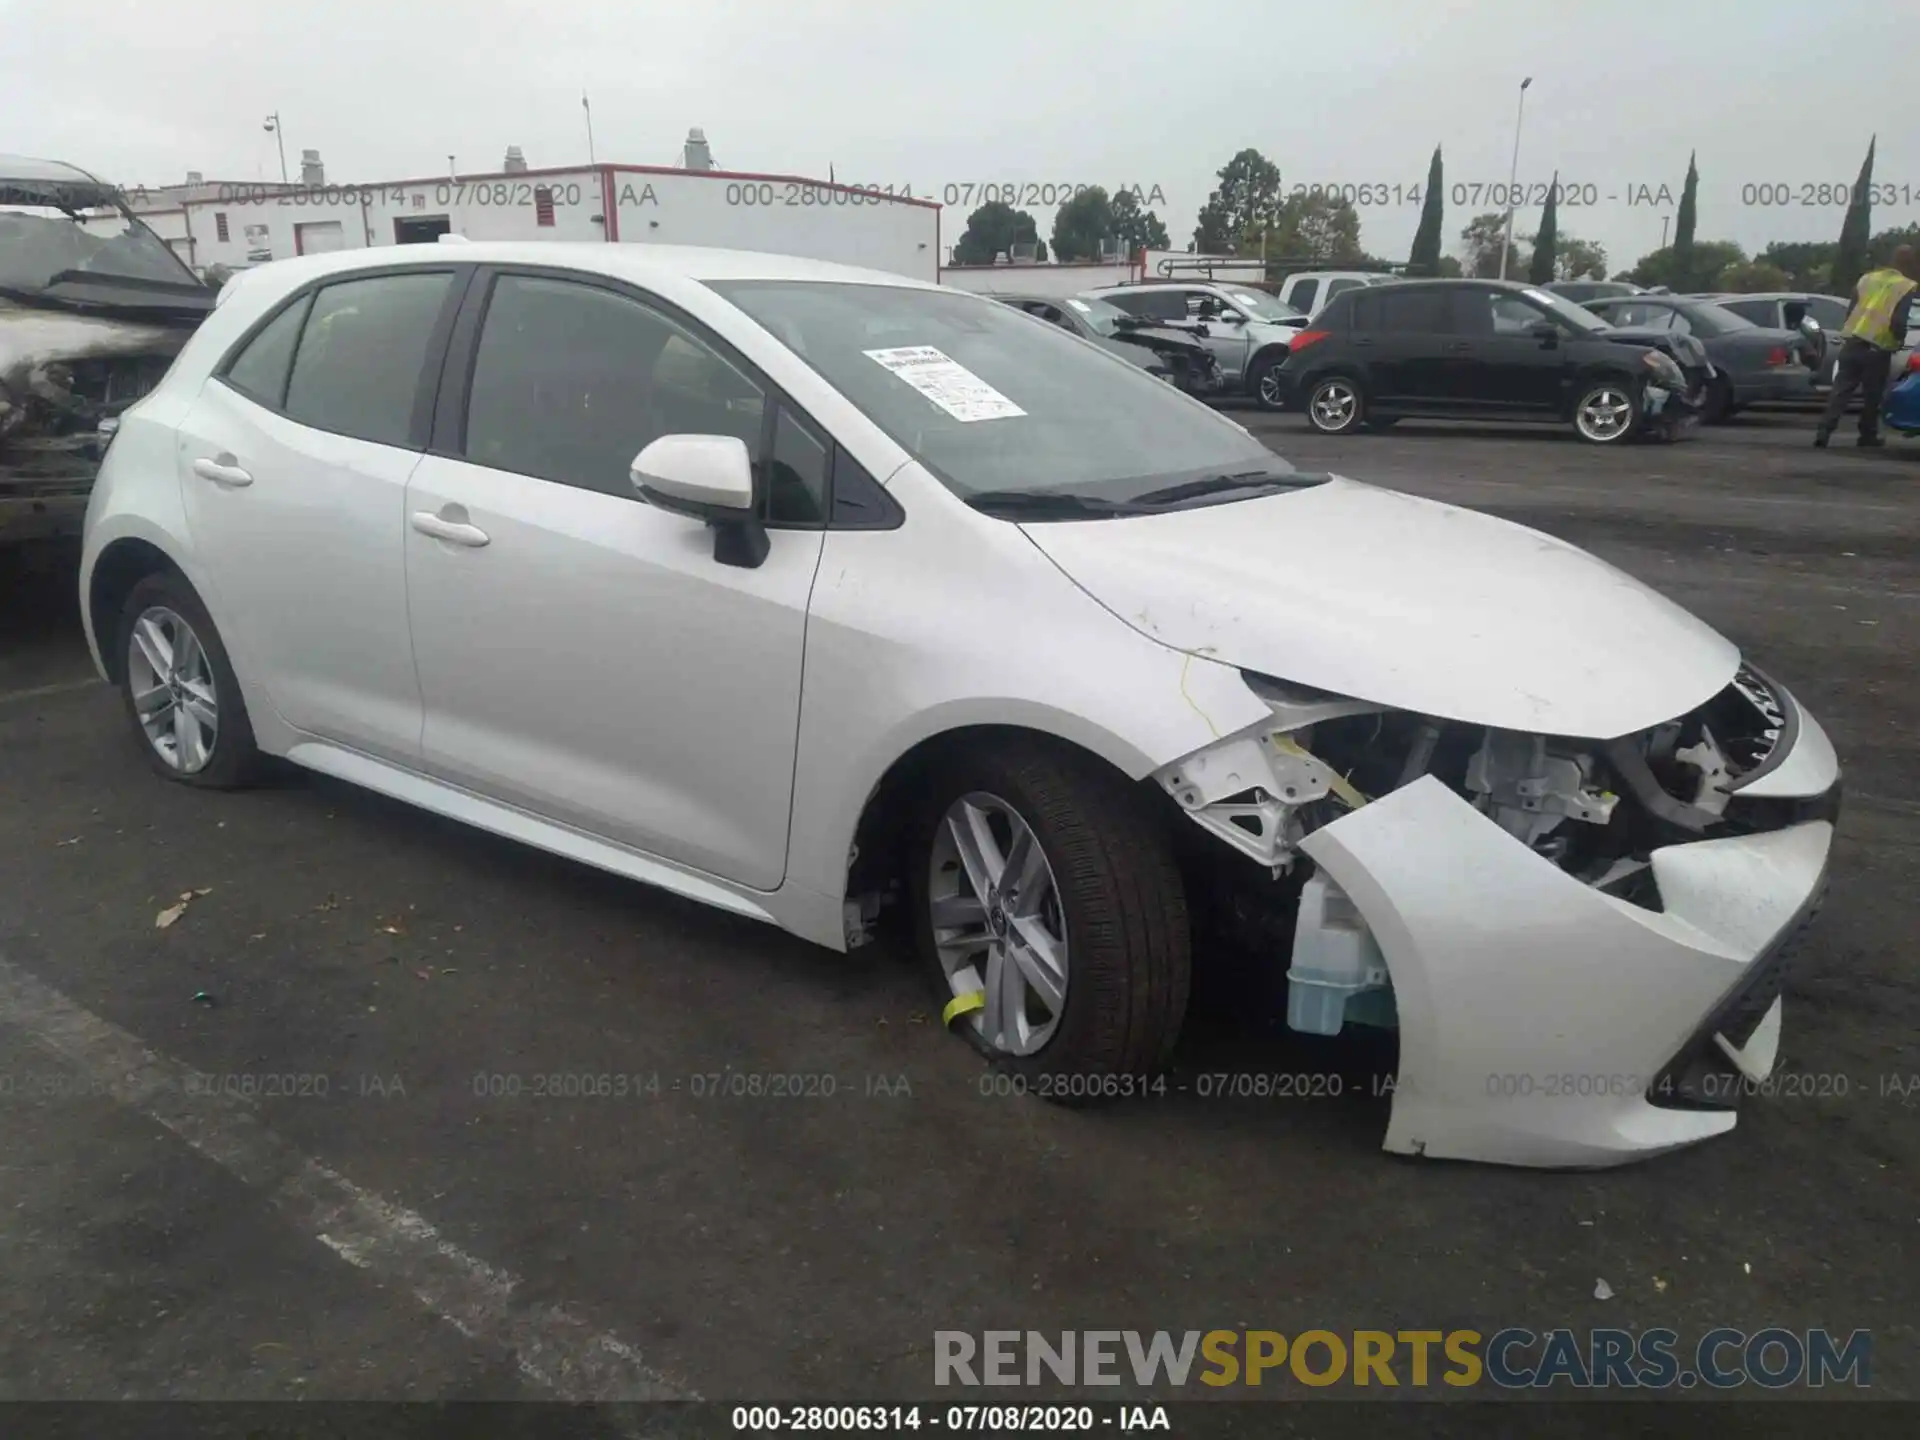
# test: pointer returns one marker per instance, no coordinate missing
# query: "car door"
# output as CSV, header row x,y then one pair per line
x,y
582,654
1409,351
294,461
1508,365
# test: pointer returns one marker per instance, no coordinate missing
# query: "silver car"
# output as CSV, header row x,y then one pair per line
x,y
1248,330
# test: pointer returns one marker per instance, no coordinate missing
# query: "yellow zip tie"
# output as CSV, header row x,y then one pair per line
x,y
962,1005
1337,782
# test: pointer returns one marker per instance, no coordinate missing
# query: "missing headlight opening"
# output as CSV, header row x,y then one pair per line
x,y
1596,810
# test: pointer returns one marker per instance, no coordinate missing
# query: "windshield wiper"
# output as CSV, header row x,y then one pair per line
x,y
1040,504
1225,484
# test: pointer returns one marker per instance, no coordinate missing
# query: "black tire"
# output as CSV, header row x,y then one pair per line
x,y
1336,405
1129,968
1718,407
1591,395
235,759
1265,384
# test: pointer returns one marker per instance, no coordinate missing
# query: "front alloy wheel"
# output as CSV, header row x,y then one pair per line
x,y
1604,414
173,689
997,924
1050,916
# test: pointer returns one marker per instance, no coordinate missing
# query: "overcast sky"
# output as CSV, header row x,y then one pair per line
x,y
910,92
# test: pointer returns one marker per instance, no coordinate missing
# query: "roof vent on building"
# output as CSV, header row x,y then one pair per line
x,y
515,163
194,178
312,172
697,155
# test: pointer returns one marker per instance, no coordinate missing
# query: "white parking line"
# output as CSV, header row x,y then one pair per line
x,y
553,1348
41,691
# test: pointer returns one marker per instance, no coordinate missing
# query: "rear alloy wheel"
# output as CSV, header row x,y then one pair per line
x,y
1051,919
1269,387
1606,413
180,690
1335,406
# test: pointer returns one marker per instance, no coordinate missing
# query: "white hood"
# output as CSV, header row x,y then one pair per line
x,y
1404,602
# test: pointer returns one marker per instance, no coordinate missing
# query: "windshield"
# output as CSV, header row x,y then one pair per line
x,y
1101,318
1260,305
82,255
1564,309
989,401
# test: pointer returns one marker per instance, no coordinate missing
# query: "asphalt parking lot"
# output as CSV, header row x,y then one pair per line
x,y
393,1222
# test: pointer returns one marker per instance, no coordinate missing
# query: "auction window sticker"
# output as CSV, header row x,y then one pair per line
x,y
946,382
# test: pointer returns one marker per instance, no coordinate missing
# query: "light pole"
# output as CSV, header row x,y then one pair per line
x,y
1506,245
272,127
1663,230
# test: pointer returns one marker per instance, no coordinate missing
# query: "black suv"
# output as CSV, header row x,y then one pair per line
x,y
1489,350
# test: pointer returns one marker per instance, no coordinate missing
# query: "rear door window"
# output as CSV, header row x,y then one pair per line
x,y
358,367
1760,312
1416,311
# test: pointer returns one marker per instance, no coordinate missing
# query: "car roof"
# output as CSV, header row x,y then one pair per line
x,y
638,263
25,180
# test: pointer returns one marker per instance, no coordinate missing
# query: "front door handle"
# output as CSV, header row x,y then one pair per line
x,y
1456,347
222,471
454,532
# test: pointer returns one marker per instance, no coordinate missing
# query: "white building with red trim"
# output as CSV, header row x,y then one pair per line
x,y
242,224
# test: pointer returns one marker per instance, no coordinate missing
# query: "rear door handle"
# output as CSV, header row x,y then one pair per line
x,y
454,532
1456,347
222,472
1362,340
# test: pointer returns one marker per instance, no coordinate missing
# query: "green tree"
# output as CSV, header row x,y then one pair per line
x,y
1136,228
1753,278
1850,261
1314,227
1480,245
1246,200
1082,224
1580,260
1573,259
1687,220
1424,258
994,228
1547,239
1808,264
1881,247
1697,271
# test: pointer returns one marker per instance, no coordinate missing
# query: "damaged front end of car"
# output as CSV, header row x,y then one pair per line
x,y
93,308
1581,942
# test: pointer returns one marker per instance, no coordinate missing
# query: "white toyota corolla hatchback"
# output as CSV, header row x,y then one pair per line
x,y
811,592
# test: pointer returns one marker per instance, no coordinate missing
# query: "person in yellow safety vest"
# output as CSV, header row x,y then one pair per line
x,y
1876,327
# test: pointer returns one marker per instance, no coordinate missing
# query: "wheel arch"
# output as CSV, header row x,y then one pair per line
x,y
875,848
122,564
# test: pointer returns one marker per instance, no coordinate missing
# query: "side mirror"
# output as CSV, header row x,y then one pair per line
x,y
1545,331
707,478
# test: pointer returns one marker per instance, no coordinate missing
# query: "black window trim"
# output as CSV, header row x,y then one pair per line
x,y
454,383
431,365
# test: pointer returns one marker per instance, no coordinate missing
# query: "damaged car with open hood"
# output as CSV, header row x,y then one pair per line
x,y
93,308
830,598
